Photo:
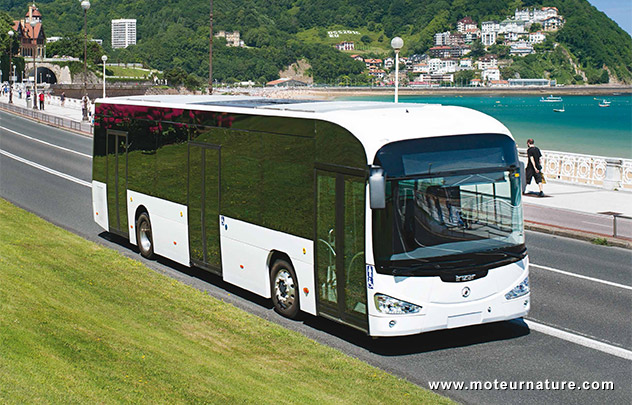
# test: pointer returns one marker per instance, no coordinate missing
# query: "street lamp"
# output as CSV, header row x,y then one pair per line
x,y
397,43
85,4
210,52
33,23
10,33
104,58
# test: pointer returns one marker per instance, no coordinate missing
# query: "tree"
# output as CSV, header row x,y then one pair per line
x,y
176,76
477,49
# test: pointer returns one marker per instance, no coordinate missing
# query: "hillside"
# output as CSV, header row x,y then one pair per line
x,y
174,33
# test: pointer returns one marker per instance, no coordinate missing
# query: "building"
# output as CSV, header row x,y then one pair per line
x,y
373,63
531,82
442,38
487,61
448,51
536,37
435,78
535,15
553,23
123,33
499,83
492,73
286,82
232,38
490,26
32,38
465,64
345,46
465,24
521,48
489,38
515,26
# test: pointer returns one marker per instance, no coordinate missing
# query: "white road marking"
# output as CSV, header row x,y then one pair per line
x,y
46,143
567,273
46,169
580,340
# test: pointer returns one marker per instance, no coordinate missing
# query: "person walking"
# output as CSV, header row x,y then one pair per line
x,y
63,98
534,166
41,100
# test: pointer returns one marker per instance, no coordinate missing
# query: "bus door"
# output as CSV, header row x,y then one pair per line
x,y
117,181
340,261
204,177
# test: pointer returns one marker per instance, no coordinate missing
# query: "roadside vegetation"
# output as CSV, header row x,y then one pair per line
x,y
80,323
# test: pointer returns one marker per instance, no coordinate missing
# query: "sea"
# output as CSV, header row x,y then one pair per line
x,y
584,127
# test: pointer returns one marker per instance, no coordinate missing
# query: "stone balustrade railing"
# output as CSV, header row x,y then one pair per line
x,y
599,171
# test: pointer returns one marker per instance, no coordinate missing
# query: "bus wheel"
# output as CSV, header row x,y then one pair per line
x,y
284,289
144,237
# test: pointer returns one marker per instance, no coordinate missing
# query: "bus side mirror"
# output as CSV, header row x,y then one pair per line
x,y
377,188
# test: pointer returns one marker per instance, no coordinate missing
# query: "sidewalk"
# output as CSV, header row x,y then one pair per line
x,y
71,110
567,209
580,210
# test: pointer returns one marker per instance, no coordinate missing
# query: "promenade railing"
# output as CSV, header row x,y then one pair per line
x,y
598,171
49,118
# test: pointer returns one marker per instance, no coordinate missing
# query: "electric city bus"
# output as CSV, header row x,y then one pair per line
x,y
394,219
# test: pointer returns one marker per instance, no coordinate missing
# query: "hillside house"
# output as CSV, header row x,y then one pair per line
x,y
487,61
32,39
232,38
553,23
490,26
512,26
536,37
489,74
345,46
465,24
521,48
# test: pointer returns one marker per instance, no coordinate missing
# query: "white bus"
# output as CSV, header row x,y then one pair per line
x,y
395,219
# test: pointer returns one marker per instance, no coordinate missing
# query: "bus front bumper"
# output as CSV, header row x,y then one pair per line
x,y
437,317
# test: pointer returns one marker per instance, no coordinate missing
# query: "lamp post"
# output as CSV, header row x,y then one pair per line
x,y
10,33
210,52
397,43
104,58
85,4
33,23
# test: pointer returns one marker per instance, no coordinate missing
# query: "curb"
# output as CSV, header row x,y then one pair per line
x,y
577,234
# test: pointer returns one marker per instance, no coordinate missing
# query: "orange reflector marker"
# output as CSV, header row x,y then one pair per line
x,y
304,250
241,266
306,290
174,242
131,226
131,199
180,213
97,213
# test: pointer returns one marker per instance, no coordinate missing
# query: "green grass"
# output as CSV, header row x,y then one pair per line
x,y
130,72
81,323
600,241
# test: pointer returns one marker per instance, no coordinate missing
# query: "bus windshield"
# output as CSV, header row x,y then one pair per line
x,y
456,220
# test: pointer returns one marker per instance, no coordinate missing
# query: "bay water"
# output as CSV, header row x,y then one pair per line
x,y
584,127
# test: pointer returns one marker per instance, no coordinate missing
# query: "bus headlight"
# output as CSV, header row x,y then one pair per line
x,y
519,290
390,305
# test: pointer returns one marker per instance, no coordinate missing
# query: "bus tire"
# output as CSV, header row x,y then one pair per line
x,y
284,288
144,237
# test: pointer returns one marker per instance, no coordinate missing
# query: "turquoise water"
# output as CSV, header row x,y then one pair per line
x,y
584,127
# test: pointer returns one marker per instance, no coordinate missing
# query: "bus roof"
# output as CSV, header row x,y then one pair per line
x,y
373,123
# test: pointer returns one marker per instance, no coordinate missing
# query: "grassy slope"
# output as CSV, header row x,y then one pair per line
x,y
81,323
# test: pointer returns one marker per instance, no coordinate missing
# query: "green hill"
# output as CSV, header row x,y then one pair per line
x,y
174,33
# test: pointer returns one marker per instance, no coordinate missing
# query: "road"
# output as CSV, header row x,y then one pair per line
x,y
578,330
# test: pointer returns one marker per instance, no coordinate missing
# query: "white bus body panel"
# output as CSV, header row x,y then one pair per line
x,y
444,305
245,252
169,225
100,204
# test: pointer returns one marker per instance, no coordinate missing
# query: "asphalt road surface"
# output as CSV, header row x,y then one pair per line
x,y
579,329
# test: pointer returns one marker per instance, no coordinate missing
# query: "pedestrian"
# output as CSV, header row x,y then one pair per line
x,y
63,98
20,92
41,100
84,106
534,166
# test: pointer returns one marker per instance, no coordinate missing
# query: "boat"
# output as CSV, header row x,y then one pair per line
x,y
559,109
604,103
551,99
